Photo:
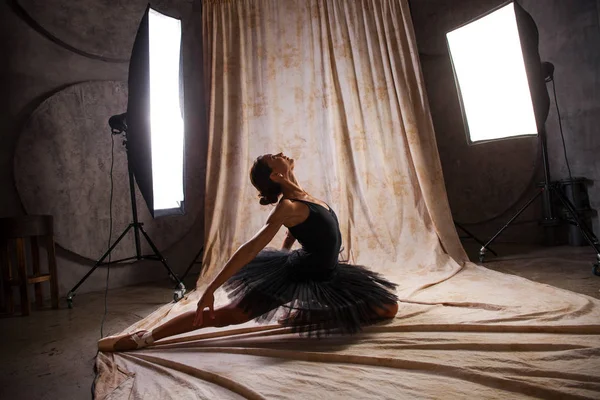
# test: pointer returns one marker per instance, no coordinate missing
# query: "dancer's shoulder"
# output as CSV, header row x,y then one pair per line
x,y
286,207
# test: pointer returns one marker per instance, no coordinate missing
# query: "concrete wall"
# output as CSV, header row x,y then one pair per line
x,y
33,67
486,182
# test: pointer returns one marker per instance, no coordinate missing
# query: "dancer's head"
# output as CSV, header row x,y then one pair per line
x,y
267,175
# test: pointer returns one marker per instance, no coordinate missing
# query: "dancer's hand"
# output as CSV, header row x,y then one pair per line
x,y
207,300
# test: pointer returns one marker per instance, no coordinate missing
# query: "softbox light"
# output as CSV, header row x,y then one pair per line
x,y
497,69
155,135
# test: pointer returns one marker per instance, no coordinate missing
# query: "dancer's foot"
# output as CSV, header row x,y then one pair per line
x,y
125,342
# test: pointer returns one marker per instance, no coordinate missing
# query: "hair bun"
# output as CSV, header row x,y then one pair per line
x,y
268,199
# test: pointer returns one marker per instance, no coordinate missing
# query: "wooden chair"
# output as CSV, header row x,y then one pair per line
x,y
14,233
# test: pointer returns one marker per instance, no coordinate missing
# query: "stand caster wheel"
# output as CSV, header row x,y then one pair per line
x,y
179,293
482,255
70,296
596,269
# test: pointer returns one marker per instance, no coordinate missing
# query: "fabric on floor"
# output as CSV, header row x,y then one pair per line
x,y
337,85
481,334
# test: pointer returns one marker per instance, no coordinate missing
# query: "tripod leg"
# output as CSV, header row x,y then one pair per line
x,y
181,287
473,237
485,246
192,263
98,263
585,231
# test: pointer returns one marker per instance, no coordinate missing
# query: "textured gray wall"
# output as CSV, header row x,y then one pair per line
x,y
34,67
484,180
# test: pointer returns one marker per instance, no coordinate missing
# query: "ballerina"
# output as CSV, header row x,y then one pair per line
x,y
318,293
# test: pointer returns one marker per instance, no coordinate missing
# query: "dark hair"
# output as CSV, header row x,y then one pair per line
x,y
260,176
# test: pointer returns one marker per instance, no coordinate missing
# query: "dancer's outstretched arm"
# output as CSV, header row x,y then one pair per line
x,y
246,253
249,250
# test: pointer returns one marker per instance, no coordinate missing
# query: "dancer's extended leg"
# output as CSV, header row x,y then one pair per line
x,y
224,316
230,314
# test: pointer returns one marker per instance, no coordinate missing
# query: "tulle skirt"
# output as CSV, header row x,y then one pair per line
x,y
314,300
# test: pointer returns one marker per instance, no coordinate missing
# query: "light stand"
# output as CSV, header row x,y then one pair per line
x,y
118,126
547,190
475,238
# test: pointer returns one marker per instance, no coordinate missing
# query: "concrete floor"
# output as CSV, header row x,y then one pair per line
x,y
50,354
564,267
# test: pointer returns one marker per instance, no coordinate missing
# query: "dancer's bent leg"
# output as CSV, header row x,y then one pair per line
x,y
388,311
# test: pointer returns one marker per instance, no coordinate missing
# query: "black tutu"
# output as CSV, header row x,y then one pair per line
x,y
315,300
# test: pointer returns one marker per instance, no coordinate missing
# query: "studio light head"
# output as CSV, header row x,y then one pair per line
x,y
118,123
548,71
155,124
499,75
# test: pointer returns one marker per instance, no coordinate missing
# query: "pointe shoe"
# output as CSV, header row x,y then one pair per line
x,y
140,340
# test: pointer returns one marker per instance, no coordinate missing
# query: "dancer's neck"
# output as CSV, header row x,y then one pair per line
x,y
291,189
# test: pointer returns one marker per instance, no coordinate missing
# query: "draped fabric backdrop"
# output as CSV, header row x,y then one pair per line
x,y
336,85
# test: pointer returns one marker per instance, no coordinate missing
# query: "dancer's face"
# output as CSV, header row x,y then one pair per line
x,y
279,163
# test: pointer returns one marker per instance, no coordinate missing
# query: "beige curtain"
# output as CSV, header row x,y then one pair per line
x,y
335,84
